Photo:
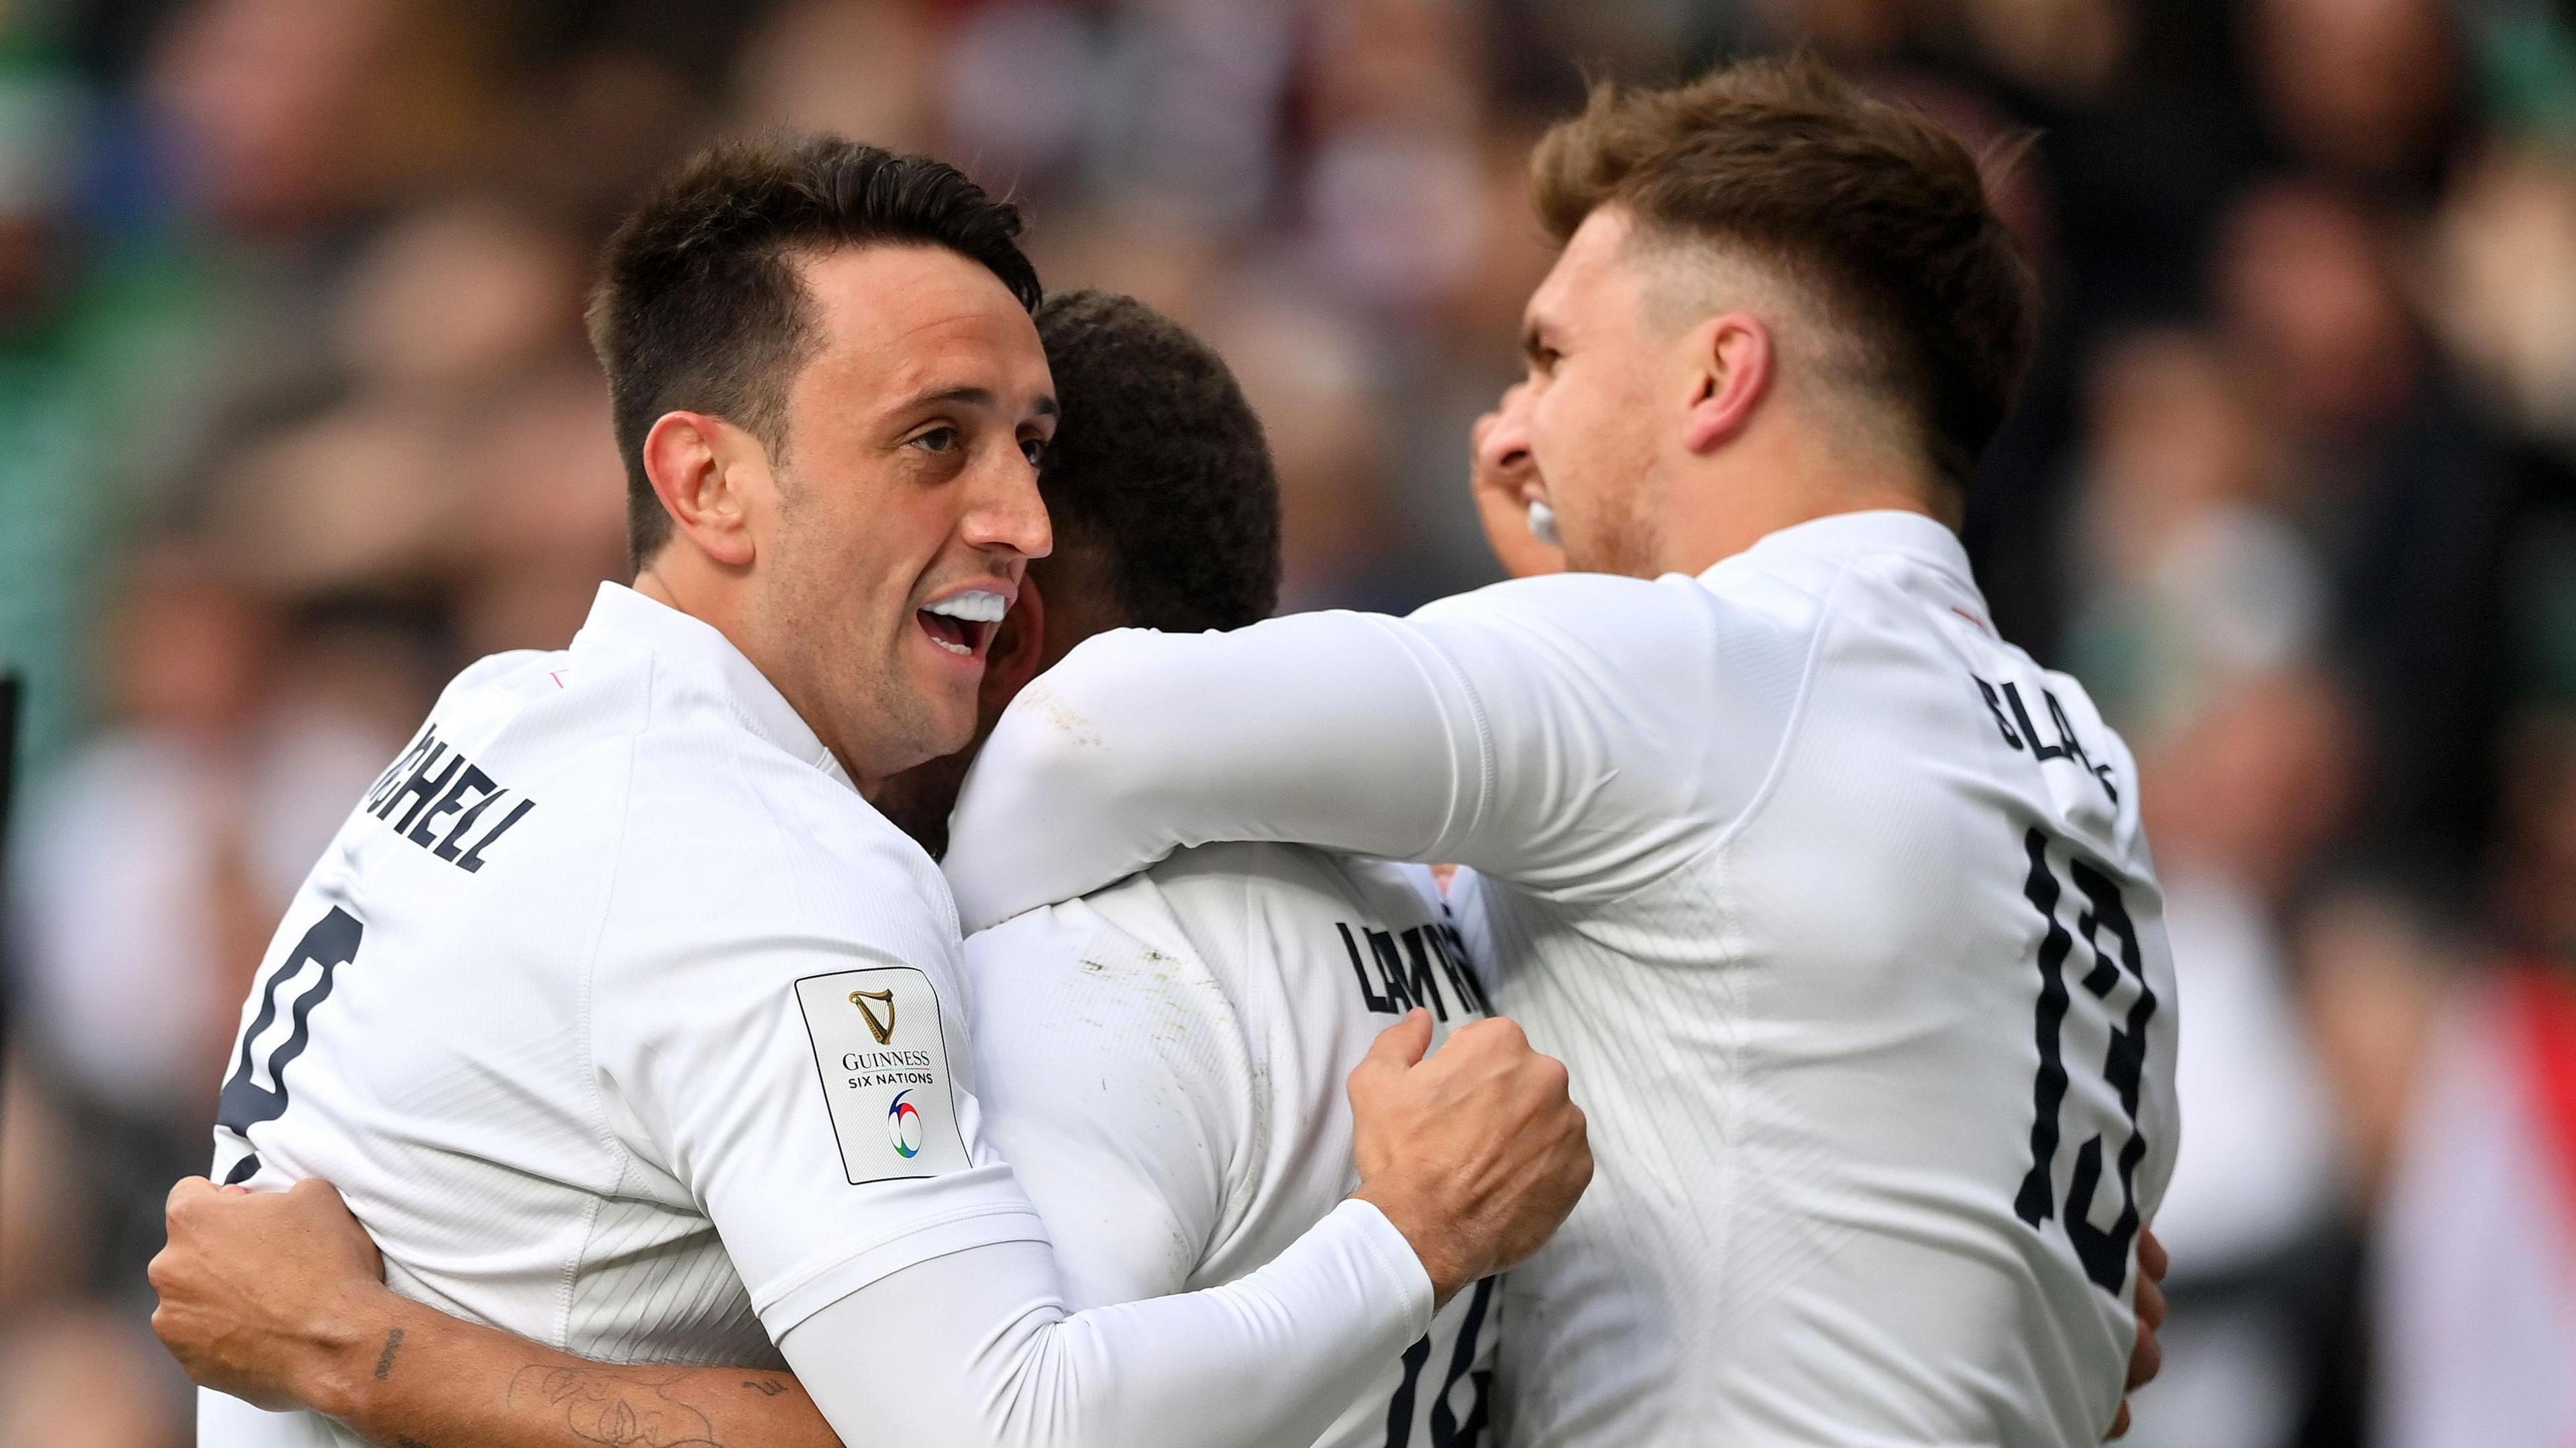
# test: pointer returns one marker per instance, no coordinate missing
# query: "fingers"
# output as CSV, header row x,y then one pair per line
x,y
315,1195
186,1191
2151,1256
2120,1424
2146,1359
1399,1046
2151,1304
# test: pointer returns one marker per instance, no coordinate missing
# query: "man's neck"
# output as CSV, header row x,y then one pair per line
x,y
1724,514
670,582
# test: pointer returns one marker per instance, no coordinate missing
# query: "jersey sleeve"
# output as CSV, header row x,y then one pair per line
x,y
786,1051
1114,1079
976,1349
1554,732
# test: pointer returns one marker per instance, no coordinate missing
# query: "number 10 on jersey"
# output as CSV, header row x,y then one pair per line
x,y
2104,923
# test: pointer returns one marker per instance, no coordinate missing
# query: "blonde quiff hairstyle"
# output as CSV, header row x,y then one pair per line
x,y
1875,211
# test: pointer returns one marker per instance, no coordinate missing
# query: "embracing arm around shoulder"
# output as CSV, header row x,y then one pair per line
x,y
274,1297
1554,732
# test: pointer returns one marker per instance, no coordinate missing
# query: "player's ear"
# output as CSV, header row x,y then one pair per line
x,y
698,465
1018,651
1731,371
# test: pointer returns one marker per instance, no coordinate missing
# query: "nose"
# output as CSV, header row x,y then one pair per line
x,y
1007,513
1503,442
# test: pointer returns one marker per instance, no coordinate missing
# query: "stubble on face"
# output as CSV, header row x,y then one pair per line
x,y
1593,353
910,480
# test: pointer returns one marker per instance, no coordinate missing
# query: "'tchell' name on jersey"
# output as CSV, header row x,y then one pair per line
x,y
438,782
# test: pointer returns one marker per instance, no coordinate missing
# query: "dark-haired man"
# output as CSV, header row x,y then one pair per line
x,y
1160,1062
624,1023
1836,905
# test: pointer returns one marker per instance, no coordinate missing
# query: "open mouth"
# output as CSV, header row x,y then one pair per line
x,y
964,623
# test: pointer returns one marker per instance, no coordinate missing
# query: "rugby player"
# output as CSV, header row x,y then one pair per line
x,y
1204,1013
625,1024
1835,903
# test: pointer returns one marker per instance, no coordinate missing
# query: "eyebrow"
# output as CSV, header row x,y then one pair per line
x,y
981,397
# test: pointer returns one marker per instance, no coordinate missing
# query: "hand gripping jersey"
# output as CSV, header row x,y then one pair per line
x,y
1836,906
624,1024
1163,1063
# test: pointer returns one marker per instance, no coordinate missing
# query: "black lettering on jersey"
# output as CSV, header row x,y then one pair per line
x,y
468,780
382,789
1455,965
1408,968
1399,1409
473,857
243,1102
1390,969
1448,1430
422,787
437,790
2105,1254
1360,971
2068,746
1995,706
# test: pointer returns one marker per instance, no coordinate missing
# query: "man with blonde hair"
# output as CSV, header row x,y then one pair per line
x,y
1836,905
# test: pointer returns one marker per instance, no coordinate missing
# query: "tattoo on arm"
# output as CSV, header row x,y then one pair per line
x,y
385,1360
620,1407
766,1387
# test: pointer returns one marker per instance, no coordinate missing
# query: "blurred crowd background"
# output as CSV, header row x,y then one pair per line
x,y
296,417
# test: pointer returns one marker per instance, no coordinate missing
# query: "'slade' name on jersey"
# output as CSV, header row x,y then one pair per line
x,y
445,801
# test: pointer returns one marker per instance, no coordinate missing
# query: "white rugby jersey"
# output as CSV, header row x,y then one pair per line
x,y
612,960
1163,1062
1836,906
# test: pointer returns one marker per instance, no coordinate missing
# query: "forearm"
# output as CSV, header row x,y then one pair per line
x,y
975,1350
1329,729
414,1377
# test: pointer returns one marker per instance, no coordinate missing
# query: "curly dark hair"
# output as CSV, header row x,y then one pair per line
x,y
1877,209
697,306
1160,464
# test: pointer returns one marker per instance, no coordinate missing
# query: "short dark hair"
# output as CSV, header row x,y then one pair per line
x,y
1160,464
698,307
1876,209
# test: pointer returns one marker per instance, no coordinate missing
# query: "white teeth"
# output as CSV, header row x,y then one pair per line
x,y
1542,524
976,606
952,648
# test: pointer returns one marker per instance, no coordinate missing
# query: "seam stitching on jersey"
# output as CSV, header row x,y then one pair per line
x,y
1789,733
589,1032
1484,741
802,1281
1242,1171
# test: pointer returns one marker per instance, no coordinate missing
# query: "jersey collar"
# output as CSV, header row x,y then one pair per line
x,y
1885,530
696,651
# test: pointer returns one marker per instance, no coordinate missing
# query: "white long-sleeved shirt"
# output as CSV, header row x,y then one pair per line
x,y
1836,905
624,1024
1163,1063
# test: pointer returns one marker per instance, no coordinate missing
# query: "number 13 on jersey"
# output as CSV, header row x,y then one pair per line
x,y
2102,919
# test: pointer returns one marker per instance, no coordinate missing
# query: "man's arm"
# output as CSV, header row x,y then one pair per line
x,y
275,1297
1563,733
1467,1162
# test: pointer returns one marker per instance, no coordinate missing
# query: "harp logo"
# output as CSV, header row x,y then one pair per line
x,y
883,1031
903,1125
881,1058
